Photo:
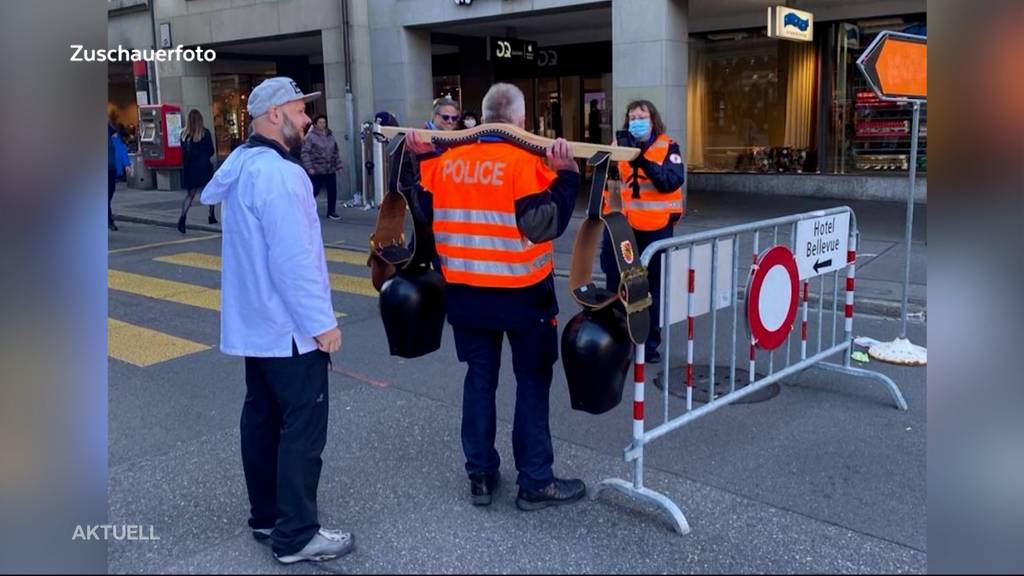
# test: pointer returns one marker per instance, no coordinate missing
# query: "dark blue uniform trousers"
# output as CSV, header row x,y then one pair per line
x,y
284,431
611,272
534,353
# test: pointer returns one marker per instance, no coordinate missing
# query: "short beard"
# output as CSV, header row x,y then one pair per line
x,y
292,135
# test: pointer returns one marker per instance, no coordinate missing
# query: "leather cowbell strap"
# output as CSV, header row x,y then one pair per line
x,y
634,289
389,252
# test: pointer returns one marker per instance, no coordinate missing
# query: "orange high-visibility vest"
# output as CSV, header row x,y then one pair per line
x,y
474,189
651,211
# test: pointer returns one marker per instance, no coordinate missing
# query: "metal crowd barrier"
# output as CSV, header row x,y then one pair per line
x,y
374,165
725,240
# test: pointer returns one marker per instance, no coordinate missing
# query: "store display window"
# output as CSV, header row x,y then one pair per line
x,y
752,104
868,134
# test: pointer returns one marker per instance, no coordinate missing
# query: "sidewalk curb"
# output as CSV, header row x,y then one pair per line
x,y
165,224
863,306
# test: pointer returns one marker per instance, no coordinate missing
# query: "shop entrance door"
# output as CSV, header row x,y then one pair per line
x,y
558,107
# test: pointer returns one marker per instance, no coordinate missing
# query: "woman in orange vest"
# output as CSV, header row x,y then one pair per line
x,y
651,197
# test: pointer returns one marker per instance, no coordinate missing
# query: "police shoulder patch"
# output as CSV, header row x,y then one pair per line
x,y
676,159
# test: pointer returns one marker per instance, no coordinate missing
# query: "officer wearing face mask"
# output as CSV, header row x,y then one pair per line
x,y
651,198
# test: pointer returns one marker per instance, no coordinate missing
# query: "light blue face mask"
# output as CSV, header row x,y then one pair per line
x,y
641,128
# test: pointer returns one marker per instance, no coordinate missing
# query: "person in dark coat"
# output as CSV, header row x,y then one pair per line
x,y
322,161
196,167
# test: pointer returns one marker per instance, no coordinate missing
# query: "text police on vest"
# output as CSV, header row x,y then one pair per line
x,y
474,172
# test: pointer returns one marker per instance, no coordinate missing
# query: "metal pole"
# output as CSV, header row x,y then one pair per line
x,y
378,173
665,317
638,412
154,77
350,112
369,159
910,217
714,320
352,138
735,306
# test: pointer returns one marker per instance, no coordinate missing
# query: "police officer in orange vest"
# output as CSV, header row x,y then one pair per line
x,y
495,208
651,198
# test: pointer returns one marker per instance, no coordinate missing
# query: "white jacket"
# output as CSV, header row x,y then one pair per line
x,y
274,279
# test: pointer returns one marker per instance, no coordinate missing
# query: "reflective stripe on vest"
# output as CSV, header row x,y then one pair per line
x,y
496,268
475,216
485,248
672,206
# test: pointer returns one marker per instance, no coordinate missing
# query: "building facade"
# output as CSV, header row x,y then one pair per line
x,y
756,114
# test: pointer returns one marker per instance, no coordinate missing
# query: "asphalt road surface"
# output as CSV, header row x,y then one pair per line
x,y
825,477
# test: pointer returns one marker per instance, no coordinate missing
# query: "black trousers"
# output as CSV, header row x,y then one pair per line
x,y
111,184
534,352
611,271
331,183
284,430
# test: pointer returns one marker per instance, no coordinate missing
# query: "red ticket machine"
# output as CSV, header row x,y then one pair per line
x,y
160,135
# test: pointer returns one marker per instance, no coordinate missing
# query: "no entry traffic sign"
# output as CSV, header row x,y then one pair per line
x,y
772,294
821,244
896,65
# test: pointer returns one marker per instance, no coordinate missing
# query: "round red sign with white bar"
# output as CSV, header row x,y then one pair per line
x,y
772,295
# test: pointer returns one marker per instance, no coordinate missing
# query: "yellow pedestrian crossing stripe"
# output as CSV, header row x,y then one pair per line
x,y
339,282
169,290
346,256
143,347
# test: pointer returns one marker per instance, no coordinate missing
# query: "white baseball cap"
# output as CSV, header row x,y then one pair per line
x,y
274,92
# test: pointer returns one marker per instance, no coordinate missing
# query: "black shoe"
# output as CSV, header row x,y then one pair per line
x,y
181,224
112,226
554,494
334,217
652,357
212,219
262,535
482,487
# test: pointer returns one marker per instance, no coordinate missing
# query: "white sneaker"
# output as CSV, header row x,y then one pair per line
x,y
325,545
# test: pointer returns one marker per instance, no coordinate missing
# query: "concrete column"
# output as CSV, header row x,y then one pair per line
x,y
402,80
187,84
362,87
650,59
333,44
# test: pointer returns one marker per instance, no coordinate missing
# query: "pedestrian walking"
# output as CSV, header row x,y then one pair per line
x,y
495,209
651,196
276,312
322,161
118,164
196,164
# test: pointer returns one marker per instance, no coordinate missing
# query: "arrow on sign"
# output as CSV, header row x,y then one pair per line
x,y
896,65
819,264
